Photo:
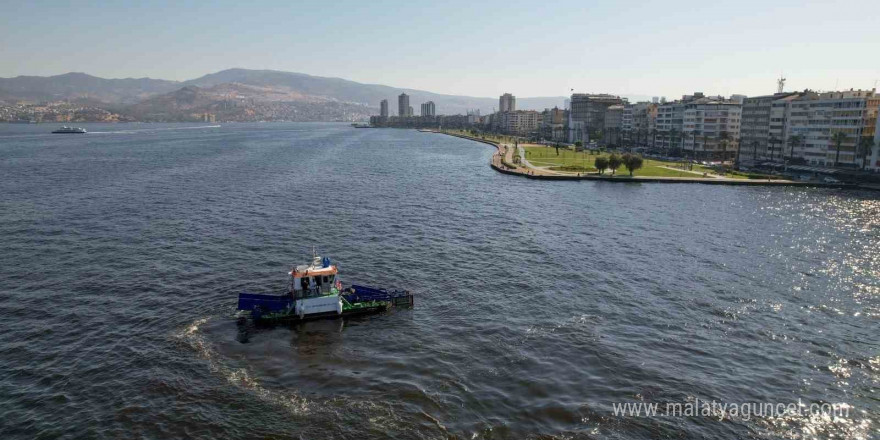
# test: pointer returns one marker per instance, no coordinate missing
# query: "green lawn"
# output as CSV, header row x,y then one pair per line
x,y
569,160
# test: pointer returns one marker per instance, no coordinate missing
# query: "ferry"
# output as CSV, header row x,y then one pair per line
x,y
316,291
70,130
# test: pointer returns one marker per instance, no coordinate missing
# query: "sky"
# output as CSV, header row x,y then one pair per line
x,y
475,47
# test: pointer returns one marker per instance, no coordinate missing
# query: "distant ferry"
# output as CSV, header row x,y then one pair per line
x,y
356,125
70,130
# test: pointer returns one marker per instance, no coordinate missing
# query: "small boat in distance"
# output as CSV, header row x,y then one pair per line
x,y
70,130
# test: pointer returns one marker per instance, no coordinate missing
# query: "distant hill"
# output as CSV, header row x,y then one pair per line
x,y
367,94
80,85
244,102
142,96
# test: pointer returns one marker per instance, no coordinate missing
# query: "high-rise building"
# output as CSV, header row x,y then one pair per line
x,y
506,103
383,108
428,109
403,108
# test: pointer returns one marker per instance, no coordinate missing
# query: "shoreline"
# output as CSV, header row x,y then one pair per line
x,y
502,165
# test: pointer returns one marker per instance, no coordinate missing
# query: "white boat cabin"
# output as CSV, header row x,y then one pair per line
x,y
316,287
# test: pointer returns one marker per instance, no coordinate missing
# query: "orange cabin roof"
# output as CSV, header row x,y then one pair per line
x,y
314,272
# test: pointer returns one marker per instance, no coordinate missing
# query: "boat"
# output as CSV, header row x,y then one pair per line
x,y
356,125
70,130
314,291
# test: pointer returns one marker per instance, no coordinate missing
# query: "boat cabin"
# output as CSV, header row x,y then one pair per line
x,y
313,280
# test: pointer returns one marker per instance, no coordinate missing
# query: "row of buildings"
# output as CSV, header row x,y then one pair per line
x,y
828,129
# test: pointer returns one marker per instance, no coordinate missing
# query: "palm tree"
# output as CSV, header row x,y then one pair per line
x,y
673,137
703,150
723,140
653,138
838,138
772,142
794,141
738,153
865,145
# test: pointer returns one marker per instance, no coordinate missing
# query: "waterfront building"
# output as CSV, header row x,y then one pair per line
x,y
506,103
763,127
639,122
474,116
553,124
874,161
403,107
590,110
517,122
428,109
613,123
702,125
711,127
383,108
817,117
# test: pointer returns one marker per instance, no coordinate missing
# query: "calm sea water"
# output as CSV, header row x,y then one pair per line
x,y
540,304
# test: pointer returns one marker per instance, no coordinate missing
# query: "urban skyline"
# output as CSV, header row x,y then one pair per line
x,y
828,129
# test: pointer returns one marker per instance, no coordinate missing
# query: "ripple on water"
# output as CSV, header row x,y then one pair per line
x,y
539,304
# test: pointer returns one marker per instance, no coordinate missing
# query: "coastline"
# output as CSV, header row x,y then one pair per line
x,y
501,162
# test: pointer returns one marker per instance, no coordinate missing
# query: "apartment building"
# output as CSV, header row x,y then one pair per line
x,y
383,108
429,109
817,117
639,122
517,122
553,124
711,127
613,125
874,160
590,109
763,127
669,122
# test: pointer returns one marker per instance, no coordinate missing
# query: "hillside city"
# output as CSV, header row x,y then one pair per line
x,y
808,131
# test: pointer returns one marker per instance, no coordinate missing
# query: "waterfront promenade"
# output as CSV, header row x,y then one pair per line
x,y
503,162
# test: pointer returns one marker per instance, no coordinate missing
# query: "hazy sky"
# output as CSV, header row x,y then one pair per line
x,y
477,47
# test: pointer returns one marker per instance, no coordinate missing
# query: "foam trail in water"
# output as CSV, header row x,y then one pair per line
x,y
192,337
146,130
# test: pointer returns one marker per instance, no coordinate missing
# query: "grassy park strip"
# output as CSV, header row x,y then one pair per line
x,y
548,162
568,160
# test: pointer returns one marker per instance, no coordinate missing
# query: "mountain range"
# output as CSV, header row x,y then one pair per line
x,y
242,94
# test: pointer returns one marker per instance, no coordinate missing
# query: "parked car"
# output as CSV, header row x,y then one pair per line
x,y
830,180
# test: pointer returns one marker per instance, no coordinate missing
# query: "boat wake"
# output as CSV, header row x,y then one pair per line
x,y
193,338
149,130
